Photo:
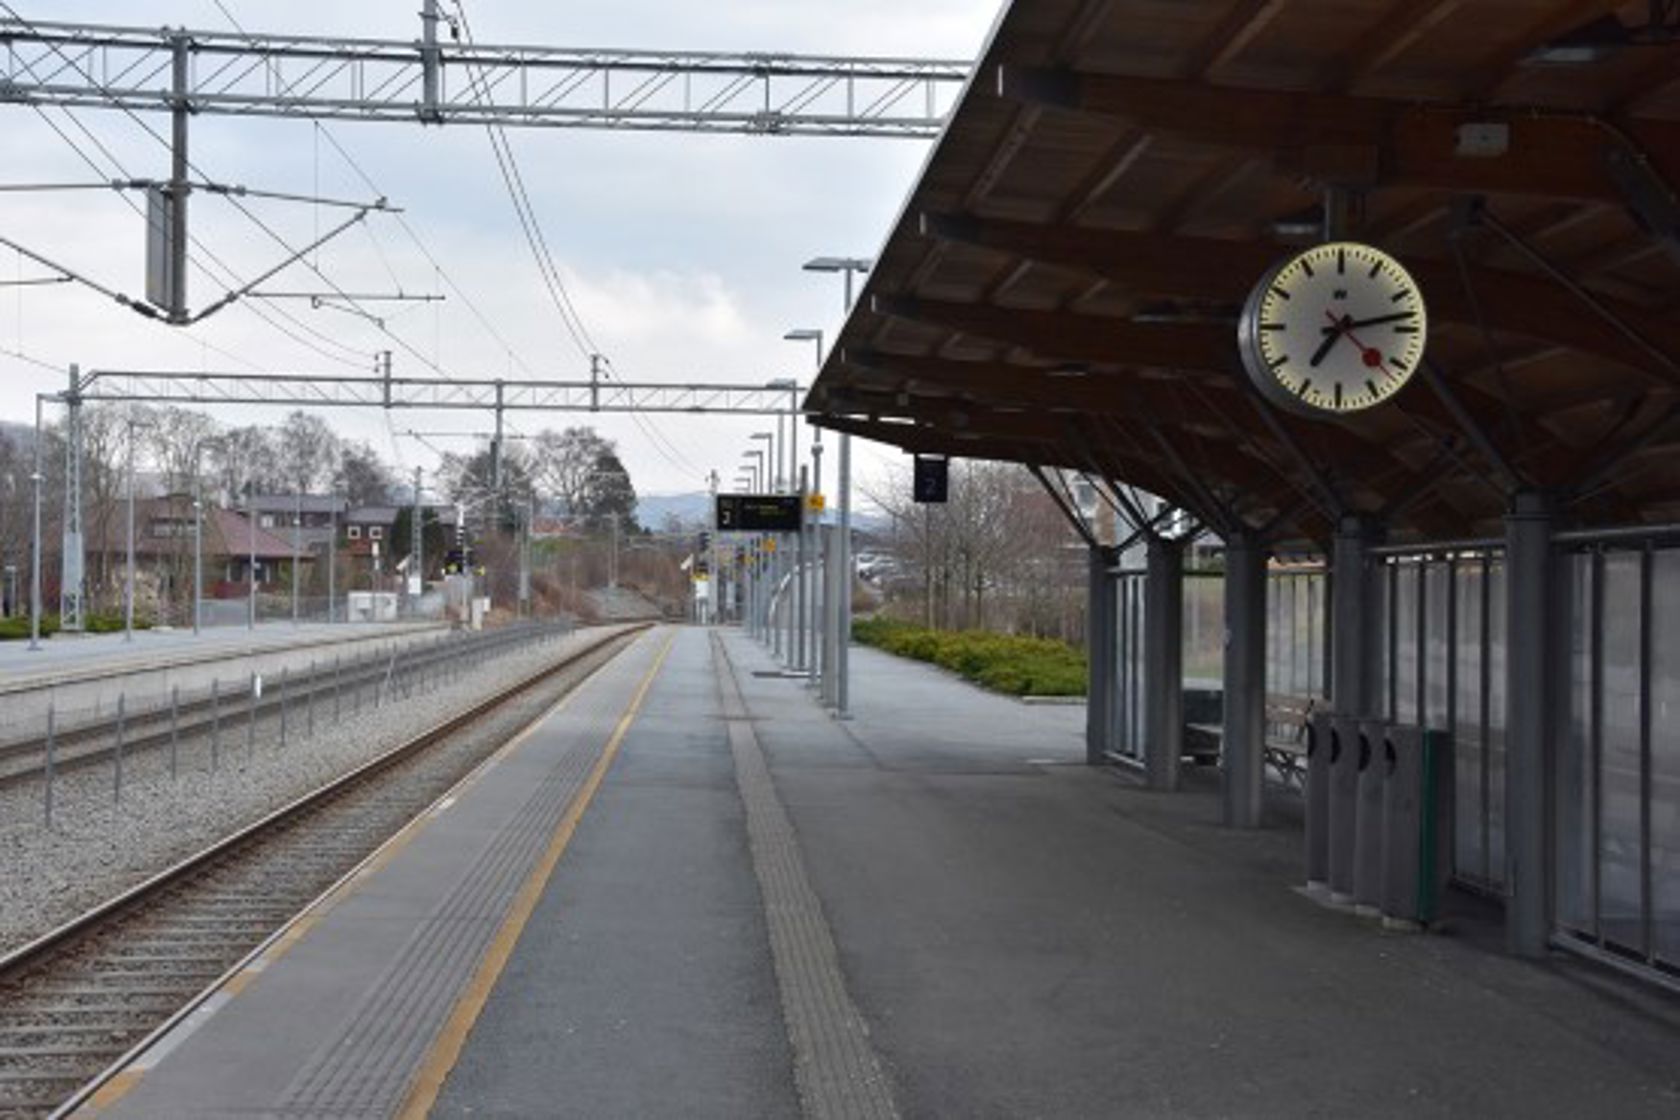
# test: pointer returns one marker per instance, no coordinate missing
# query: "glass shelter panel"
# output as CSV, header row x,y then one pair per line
x,y
1619,847
1295,631
1127,735
1443,666
1577,773
1664,809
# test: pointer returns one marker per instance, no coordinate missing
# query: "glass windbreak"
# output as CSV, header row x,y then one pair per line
x,y
1618,758
1443,668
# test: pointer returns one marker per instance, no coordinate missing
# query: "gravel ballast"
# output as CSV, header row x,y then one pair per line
x,y
98,847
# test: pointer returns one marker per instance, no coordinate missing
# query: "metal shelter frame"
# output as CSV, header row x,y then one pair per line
x,y
1061,290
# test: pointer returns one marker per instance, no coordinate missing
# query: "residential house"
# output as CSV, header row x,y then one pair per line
x,y
163,547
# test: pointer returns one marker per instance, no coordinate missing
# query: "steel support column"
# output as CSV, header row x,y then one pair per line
x,y
1242,754
1163,661
1355,633
1528,724
1101,643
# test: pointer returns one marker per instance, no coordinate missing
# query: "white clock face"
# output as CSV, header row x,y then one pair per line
x,y
1334,329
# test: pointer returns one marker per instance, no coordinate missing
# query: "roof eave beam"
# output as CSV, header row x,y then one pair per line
x,y
1366,141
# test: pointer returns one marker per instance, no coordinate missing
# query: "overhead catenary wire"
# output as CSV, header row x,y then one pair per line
x,y
571,319
242,209
197,261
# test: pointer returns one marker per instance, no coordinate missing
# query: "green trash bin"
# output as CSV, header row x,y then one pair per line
x,y
1417,825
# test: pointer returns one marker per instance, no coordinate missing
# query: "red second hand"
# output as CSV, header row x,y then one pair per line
x,y
1372,356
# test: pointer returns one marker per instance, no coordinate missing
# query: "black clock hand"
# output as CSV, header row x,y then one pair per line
x,y
1398,315
1331,334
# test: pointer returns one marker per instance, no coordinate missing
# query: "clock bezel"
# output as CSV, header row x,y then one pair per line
x,y
1264,376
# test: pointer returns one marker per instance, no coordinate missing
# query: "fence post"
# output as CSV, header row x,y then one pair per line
x,y
52,739
174,729
122,728
251,721
215,724
309,701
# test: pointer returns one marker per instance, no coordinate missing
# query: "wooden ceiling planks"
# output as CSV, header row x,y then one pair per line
x,y
1221,118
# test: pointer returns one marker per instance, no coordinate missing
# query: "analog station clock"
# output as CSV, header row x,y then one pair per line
x,y
1333,329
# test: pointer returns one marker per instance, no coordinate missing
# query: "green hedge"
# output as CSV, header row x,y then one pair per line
x,y
113,623
1001,662
17,629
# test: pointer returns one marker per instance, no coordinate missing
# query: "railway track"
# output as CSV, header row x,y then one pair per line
x,y
75,1001
331,687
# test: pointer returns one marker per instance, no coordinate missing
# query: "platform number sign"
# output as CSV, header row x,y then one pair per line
x,y
1333,329
932,478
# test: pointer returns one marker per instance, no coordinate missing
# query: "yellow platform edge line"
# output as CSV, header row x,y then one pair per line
x,y
446,1047
127,1080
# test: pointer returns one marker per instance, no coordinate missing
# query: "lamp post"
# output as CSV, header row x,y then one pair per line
x,y
37,478
809,585
847,267
251,520
198,533
128,576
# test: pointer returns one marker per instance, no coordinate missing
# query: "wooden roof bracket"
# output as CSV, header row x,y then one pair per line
x,y
1669,364
1510,478
1073,518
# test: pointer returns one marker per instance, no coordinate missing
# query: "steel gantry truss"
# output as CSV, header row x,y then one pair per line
x,y
317,77
497,396
488,394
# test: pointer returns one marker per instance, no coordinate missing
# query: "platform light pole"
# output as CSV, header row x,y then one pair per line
x,y
36,477
847,267
813,658
128,575
198,531
251,519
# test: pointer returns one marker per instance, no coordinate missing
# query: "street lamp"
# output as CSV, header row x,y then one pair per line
x,y
847,267
757,455
772,461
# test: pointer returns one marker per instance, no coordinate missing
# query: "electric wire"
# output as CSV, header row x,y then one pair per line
x,y
203,251
240,207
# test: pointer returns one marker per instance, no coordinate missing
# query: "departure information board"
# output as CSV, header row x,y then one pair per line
x,y
758,513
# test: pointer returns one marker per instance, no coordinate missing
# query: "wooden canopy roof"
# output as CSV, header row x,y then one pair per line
x,y
1063,284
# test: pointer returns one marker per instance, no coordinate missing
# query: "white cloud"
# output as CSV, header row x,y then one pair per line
x,y
681,251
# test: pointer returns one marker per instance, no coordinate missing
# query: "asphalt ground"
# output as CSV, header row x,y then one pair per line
x,y
1018,934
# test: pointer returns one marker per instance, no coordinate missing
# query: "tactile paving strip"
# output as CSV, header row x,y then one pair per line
x,y
365,1068
835,1065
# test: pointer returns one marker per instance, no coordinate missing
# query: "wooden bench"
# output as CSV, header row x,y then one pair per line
x,y
1285,750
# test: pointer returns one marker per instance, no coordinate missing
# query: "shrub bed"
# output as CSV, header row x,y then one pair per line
x,y
1006,663
17,629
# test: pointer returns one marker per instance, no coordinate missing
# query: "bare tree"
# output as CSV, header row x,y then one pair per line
x,y
309,451
363,478
994,555
566,461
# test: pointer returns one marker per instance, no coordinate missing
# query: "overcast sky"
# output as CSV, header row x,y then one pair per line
x,y
682,252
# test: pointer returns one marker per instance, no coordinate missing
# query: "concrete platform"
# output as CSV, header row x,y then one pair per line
x,y
1003,932
67,658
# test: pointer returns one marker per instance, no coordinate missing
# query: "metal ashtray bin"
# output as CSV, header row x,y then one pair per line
x,y
1368,820
1318,803
1343,805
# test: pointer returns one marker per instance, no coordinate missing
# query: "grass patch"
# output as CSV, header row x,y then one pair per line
x,y
1005,663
